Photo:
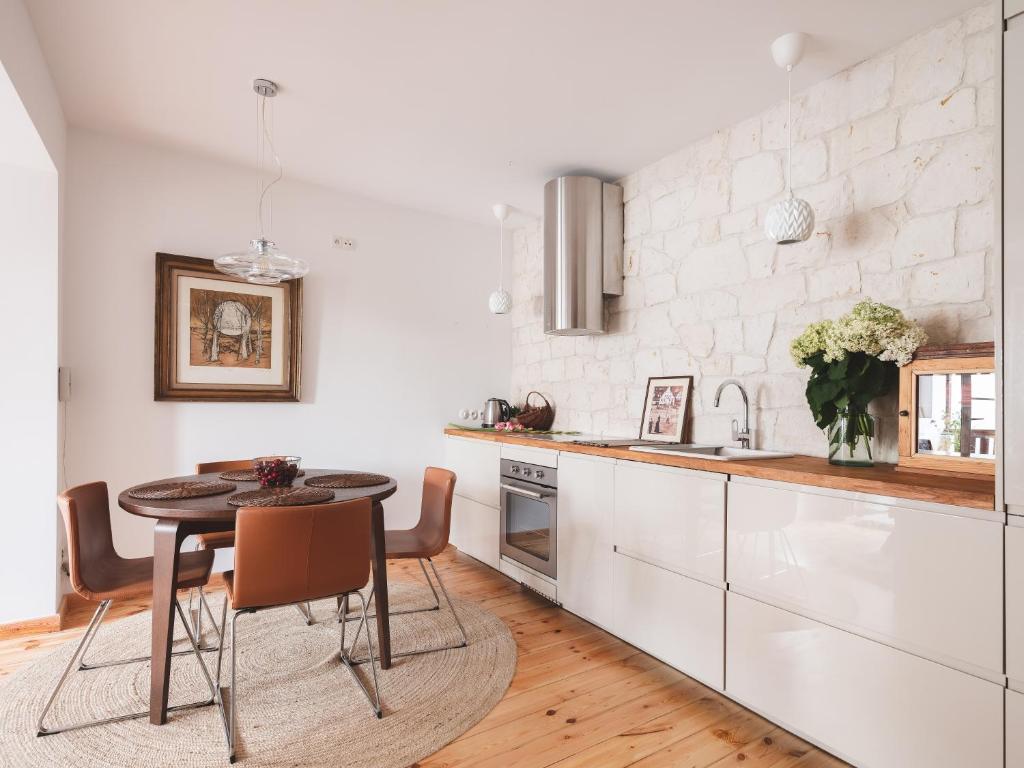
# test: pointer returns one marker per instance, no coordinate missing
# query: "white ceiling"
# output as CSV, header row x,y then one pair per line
x,y
426,102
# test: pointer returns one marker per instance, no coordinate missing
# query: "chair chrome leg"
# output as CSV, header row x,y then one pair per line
x,y
83,645
451,605
435,607
448,599
346,658
205,604
84,666
306,611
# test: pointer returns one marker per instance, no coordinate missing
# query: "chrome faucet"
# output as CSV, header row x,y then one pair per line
x,y
744,436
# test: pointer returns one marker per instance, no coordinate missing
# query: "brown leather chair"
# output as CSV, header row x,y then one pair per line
x,y
292,555
98,573
222,540
427,539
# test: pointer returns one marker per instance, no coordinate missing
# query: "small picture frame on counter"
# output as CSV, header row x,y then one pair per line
x,y
947,411
666,408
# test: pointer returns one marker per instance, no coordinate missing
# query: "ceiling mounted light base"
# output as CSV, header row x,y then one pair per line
x,y
788,49
264,87
789,221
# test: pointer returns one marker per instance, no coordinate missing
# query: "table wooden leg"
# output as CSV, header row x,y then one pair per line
x,y
380,586
167,538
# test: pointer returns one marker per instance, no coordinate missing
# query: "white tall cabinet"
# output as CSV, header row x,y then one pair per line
x,y
1013,256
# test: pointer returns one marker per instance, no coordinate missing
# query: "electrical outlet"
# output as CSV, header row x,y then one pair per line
x,y
344,243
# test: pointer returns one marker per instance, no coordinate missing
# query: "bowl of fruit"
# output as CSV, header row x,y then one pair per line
x,y
276,471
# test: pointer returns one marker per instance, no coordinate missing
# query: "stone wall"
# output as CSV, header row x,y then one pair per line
x,y
896,157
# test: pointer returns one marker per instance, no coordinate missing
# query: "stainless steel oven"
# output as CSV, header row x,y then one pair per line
x,y
529,515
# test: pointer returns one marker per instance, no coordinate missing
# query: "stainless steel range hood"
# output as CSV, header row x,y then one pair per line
x,y
582,253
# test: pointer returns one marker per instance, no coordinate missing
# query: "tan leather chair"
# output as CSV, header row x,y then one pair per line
x,y
291,555
427,539
98,573
212,541
222,540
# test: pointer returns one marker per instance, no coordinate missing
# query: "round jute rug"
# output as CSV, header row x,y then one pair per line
x,y
297,704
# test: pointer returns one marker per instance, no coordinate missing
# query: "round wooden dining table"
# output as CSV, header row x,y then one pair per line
x,y
179,518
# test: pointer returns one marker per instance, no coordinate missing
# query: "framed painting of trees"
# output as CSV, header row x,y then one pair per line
x,y
220,338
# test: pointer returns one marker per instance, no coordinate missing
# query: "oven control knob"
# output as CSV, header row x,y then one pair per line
x,y
539,474
527,472
515,469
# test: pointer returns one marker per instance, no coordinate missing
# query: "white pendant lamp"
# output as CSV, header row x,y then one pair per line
x,y
500,302
790,220
262,263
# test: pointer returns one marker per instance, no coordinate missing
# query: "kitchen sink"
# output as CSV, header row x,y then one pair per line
x,y
713,452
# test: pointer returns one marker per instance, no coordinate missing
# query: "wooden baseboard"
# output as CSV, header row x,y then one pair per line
x,y
69,603
35,626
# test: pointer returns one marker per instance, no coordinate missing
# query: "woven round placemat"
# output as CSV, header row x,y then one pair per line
x,y
348,480
181,489
246,474
280,497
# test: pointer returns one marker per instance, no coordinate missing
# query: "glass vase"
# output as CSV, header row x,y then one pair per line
x,y
850,440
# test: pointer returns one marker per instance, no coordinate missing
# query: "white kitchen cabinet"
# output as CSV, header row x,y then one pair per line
x,y
477,465
475,529
928,582
586,487
866,702
1012,434
1015,605
676,619
1014,729
673,518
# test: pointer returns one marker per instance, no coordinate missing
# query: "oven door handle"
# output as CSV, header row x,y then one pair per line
x,y
525,492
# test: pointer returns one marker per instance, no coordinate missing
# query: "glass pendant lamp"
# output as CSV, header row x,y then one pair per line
x,y
263,263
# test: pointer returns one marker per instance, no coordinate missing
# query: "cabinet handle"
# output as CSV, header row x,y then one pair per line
x,y
904,413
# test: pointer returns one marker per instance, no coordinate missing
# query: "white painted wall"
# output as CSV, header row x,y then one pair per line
x,y
896,157
31,159
397,336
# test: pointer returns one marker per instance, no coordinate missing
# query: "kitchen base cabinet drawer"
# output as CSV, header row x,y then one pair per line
x,y
671,517
477,467
1014,729
926,582
864,701
475,529
676,619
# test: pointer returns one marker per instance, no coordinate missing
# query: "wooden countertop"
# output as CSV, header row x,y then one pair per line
x,y
882,479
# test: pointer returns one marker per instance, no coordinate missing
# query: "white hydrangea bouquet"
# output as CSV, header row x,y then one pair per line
x,y
854,360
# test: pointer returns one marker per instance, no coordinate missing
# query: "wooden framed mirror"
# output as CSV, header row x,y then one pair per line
x,y
948,409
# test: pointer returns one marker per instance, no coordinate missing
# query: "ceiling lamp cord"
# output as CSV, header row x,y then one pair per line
x,y
789,121
264,140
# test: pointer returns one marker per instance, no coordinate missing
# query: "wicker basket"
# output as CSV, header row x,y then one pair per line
x,y
539,417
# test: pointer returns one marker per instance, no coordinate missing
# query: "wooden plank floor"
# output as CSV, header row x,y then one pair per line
x,y
580,697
